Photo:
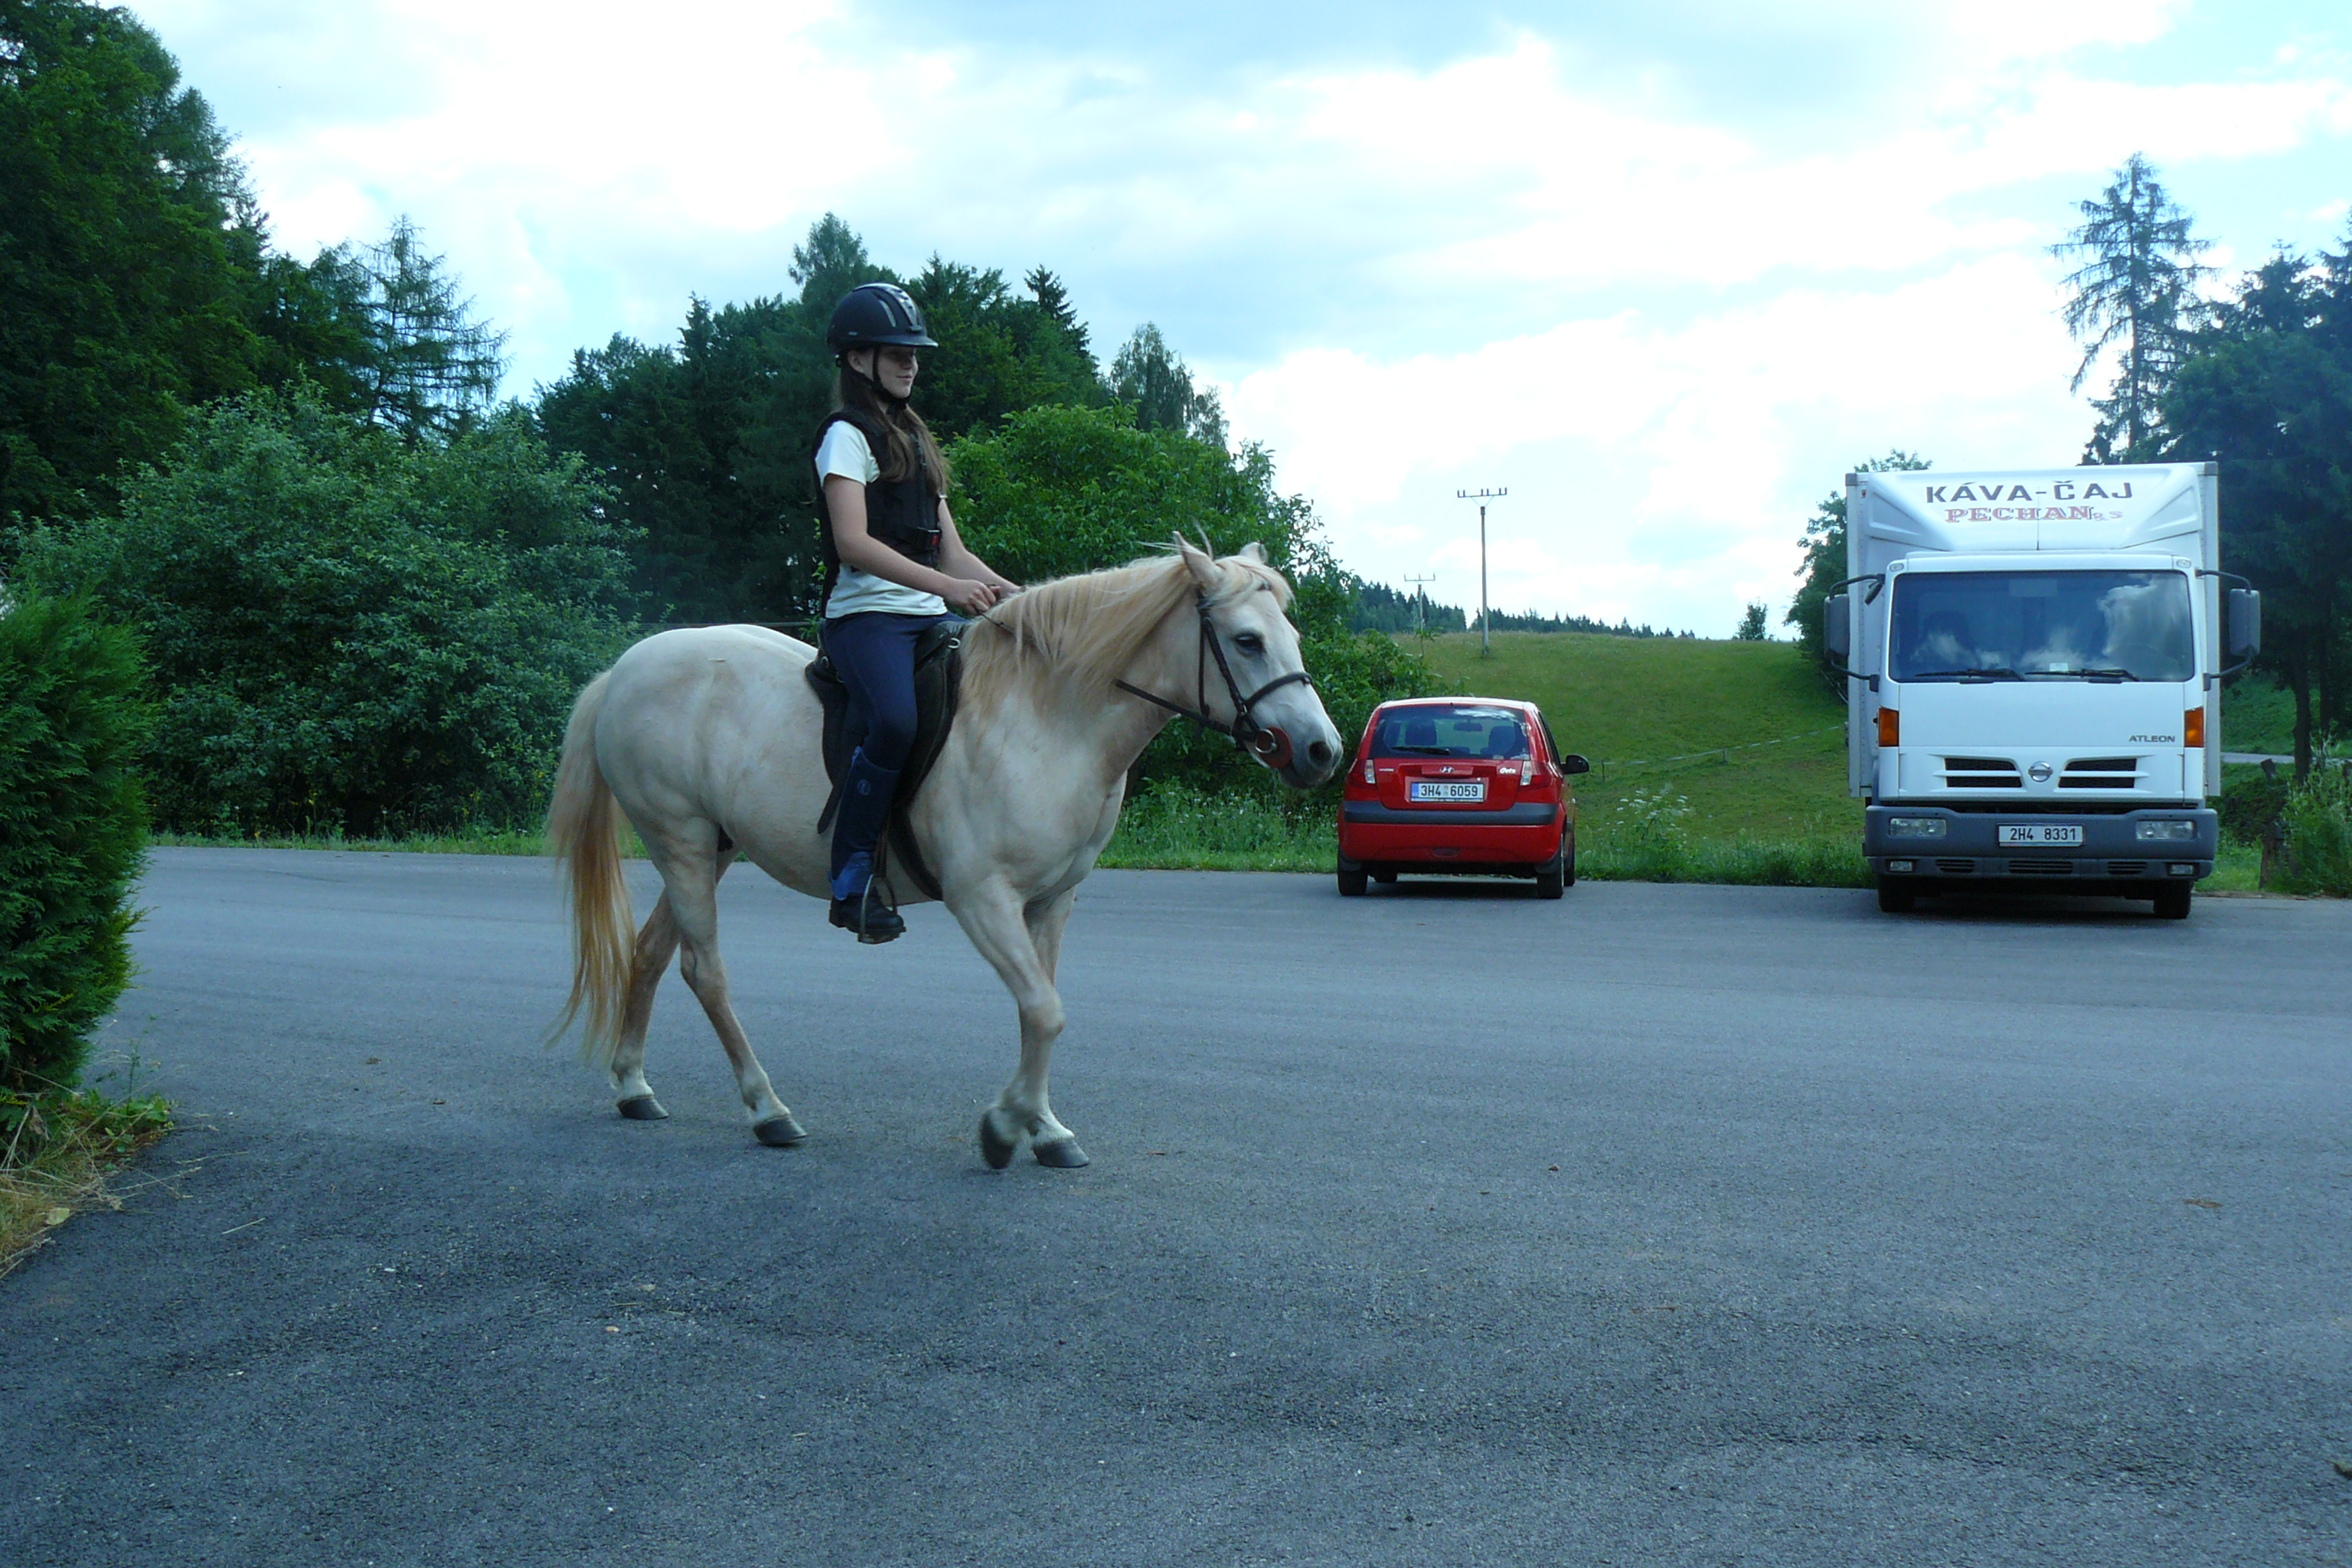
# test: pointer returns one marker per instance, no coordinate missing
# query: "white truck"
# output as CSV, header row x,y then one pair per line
x,y
2033,664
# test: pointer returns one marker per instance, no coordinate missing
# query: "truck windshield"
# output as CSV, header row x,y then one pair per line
x,y
1435,730
2042,626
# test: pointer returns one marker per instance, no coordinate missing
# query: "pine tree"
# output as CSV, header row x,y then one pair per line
x,y
1151,378
2131,294
431,368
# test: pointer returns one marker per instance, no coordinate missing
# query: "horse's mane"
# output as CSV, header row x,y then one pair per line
x,y
1082,633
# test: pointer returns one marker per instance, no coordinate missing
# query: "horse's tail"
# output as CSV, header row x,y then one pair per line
x,y
584,830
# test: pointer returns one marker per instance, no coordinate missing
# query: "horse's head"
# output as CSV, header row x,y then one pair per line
x,y
1264,694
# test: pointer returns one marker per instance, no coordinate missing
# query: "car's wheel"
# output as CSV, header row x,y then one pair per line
x,y
1385,878
1351,878
1897,895
1552,880
2172,900
1568,860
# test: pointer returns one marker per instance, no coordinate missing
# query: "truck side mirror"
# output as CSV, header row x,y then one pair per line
x,y
1837,626
2245,623
1572,764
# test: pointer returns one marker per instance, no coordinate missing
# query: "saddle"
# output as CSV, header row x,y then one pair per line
x,y
938,680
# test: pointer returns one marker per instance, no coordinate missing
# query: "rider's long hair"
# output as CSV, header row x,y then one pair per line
x,y
908,443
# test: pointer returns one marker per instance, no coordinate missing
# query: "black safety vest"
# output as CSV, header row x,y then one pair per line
x,y
901,513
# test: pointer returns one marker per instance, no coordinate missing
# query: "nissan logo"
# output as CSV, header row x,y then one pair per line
x,y
2039,772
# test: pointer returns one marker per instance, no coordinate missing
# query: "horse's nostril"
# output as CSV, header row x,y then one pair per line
x,y
1318,753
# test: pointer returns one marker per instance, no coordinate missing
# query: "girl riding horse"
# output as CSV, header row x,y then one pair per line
x,y
894,563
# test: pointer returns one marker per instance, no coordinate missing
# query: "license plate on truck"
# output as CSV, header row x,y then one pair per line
x,y
1461,789
2037,835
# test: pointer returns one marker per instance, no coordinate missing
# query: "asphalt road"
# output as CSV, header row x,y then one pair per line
x,y
1659,1226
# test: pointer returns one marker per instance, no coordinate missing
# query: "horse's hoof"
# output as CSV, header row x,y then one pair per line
x,y
642,1108
779,1131
1063,1154
995,1149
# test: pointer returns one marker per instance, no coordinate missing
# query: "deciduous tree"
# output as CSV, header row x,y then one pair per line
x,y
1823,565
2267,389
126,240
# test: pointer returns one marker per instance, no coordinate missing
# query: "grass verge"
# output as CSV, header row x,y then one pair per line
x,y
468,841
1634,838
58,1149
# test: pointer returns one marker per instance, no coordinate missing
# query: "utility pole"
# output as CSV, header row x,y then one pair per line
x,y
1485,648
1420,593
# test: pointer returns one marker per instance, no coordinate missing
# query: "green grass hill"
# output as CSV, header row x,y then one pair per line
x,y
1690,717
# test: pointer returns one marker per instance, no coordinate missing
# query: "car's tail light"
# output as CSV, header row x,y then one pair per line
x,y
1526,770
2192,728
1368,770
1890,727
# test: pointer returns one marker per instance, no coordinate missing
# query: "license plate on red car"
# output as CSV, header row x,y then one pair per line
x,y
1446,789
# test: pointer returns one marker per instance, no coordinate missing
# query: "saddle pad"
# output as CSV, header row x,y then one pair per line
x,y
938,680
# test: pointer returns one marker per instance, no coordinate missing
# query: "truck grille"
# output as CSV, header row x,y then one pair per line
x,y
2100,773
2041,868
1982,773
1956,868
2126,868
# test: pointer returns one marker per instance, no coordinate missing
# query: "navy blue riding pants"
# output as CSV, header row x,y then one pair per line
x,y
874,653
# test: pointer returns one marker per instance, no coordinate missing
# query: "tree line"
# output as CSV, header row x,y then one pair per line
x,y
366,589
2256,376
1380,609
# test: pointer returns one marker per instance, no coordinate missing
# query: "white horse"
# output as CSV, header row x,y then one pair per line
x,y
714,731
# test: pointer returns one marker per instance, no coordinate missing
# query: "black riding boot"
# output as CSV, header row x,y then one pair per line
x,y
857,904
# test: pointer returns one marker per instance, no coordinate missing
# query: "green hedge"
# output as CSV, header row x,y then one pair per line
x,y
73,826
2318,850
350,632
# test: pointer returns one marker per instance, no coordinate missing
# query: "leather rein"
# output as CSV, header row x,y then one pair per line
x,y
1267,743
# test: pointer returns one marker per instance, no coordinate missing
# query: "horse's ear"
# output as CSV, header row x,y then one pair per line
x,y
1197,562
1254,550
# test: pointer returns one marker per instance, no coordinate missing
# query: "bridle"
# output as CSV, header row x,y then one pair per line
x,y
1267,743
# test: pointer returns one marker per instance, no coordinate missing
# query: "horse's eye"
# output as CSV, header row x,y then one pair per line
x,y
1250,642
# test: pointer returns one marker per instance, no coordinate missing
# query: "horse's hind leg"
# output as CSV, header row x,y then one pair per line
x,y
657,943
693,897
1022,945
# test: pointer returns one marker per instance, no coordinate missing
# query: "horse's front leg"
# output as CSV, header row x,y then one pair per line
x,y
1022,945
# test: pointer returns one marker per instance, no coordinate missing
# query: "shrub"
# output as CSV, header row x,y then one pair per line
x,y
2251,801
72,833
2319,858
349,632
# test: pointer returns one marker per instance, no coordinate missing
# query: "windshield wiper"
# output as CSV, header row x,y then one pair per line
x,y
2104,674
1425,751
1995,672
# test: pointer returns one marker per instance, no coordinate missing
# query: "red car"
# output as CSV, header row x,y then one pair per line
x,y
1459,786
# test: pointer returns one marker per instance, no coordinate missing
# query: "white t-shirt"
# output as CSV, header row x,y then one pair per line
x,y
845,451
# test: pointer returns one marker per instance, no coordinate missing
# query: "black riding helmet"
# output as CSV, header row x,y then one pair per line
x,y
875,314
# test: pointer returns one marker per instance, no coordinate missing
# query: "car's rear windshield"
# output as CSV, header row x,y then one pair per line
x,y
1464,729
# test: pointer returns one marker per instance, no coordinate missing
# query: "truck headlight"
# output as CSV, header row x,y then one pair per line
x,y
2165,832
1916,826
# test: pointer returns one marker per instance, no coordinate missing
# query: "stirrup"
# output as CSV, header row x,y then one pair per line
x,y
874,918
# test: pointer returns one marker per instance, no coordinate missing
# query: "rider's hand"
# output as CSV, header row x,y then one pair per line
x,y
970,595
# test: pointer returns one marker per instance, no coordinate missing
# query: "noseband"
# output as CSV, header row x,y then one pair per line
x,y
1264,741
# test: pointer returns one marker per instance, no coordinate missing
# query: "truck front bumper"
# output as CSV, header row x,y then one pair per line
x,y
2111,851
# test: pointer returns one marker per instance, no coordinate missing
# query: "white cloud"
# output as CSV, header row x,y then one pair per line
x,y
1667,319
1663,472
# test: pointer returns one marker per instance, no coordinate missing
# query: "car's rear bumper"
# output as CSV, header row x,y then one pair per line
x,y
1474,839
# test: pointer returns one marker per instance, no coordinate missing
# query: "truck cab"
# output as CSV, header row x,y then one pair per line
x,y
2033,663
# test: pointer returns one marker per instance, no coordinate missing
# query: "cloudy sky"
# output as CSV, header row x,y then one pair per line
x,y
1665,272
